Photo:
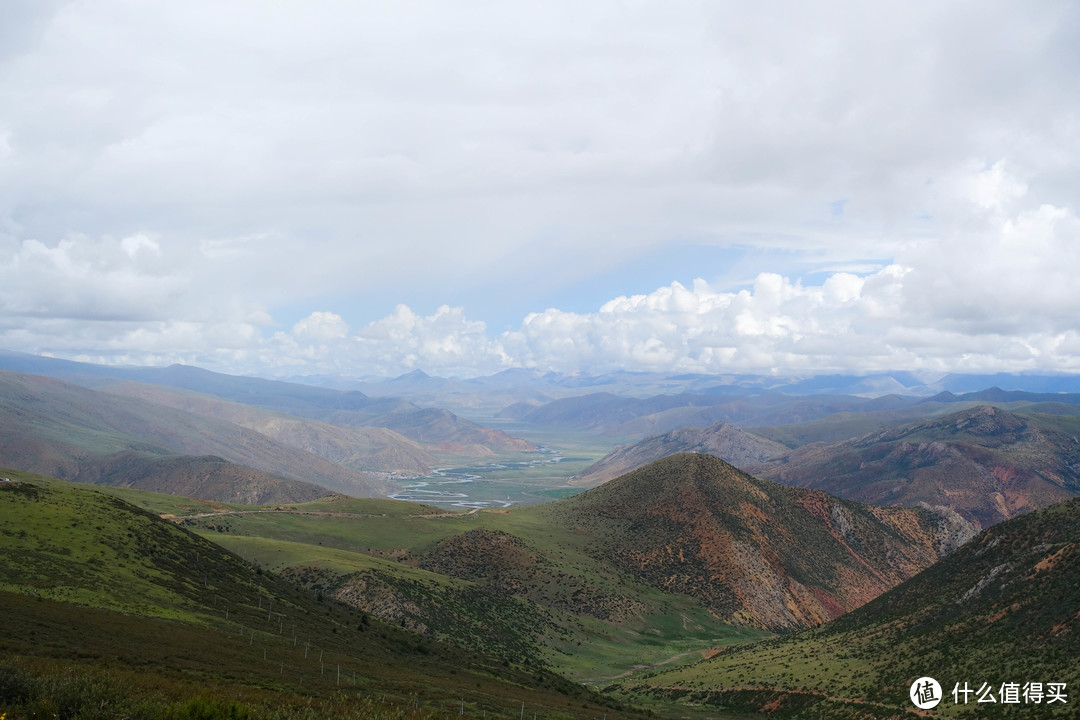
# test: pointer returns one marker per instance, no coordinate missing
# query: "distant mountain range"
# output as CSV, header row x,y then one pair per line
x,y
617,416
531,387
55,428
434,427
986,463
359,448
723,440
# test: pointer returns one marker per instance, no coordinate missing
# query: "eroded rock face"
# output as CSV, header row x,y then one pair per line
x,y
955,529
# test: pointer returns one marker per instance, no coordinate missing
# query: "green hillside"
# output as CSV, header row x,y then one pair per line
x,y
680,557
1003,609
536,589
111,611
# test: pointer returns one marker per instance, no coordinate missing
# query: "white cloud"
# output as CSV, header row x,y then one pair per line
x,y
1000,298
82,278
321,326
261,161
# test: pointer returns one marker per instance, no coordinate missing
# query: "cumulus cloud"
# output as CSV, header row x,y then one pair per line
x,y
998,294
912,165
83,278
995,294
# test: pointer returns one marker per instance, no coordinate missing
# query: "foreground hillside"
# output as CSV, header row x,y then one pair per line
x,y
986,463
509,583
1000,613
659,566
110,611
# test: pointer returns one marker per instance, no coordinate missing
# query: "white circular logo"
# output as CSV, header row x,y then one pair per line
x,y
925,693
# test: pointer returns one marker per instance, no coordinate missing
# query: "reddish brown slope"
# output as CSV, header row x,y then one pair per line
x,y
754,551
986,463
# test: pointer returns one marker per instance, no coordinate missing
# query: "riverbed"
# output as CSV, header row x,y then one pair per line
x,y
490,485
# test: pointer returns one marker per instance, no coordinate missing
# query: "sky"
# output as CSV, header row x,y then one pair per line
x,y
360,188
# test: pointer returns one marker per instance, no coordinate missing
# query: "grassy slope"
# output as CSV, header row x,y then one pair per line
x,y
102,597
1003,608
580,615
568,577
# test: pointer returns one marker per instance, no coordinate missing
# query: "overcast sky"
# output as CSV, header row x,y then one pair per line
x,y
286,188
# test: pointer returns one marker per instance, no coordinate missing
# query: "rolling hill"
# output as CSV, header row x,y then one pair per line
x,y
721,439
429,426
680,556
986,463
110,611
361,448
617,416
67,431
753,551
509,583
1003,609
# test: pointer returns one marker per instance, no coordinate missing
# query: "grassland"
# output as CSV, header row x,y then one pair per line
x,y
551,598
110,611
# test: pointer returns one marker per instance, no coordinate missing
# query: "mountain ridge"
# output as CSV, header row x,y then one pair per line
x,y
800,557
60,429
721,439
986,463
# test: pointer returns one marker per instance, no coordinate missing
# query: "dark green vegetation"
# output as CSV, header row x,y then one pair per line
x,y
511,583
110,611
1005,608
661,564
987,463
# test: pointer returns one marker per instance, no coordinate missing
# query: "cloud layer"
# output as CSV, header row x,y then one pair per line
x,y
189,182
